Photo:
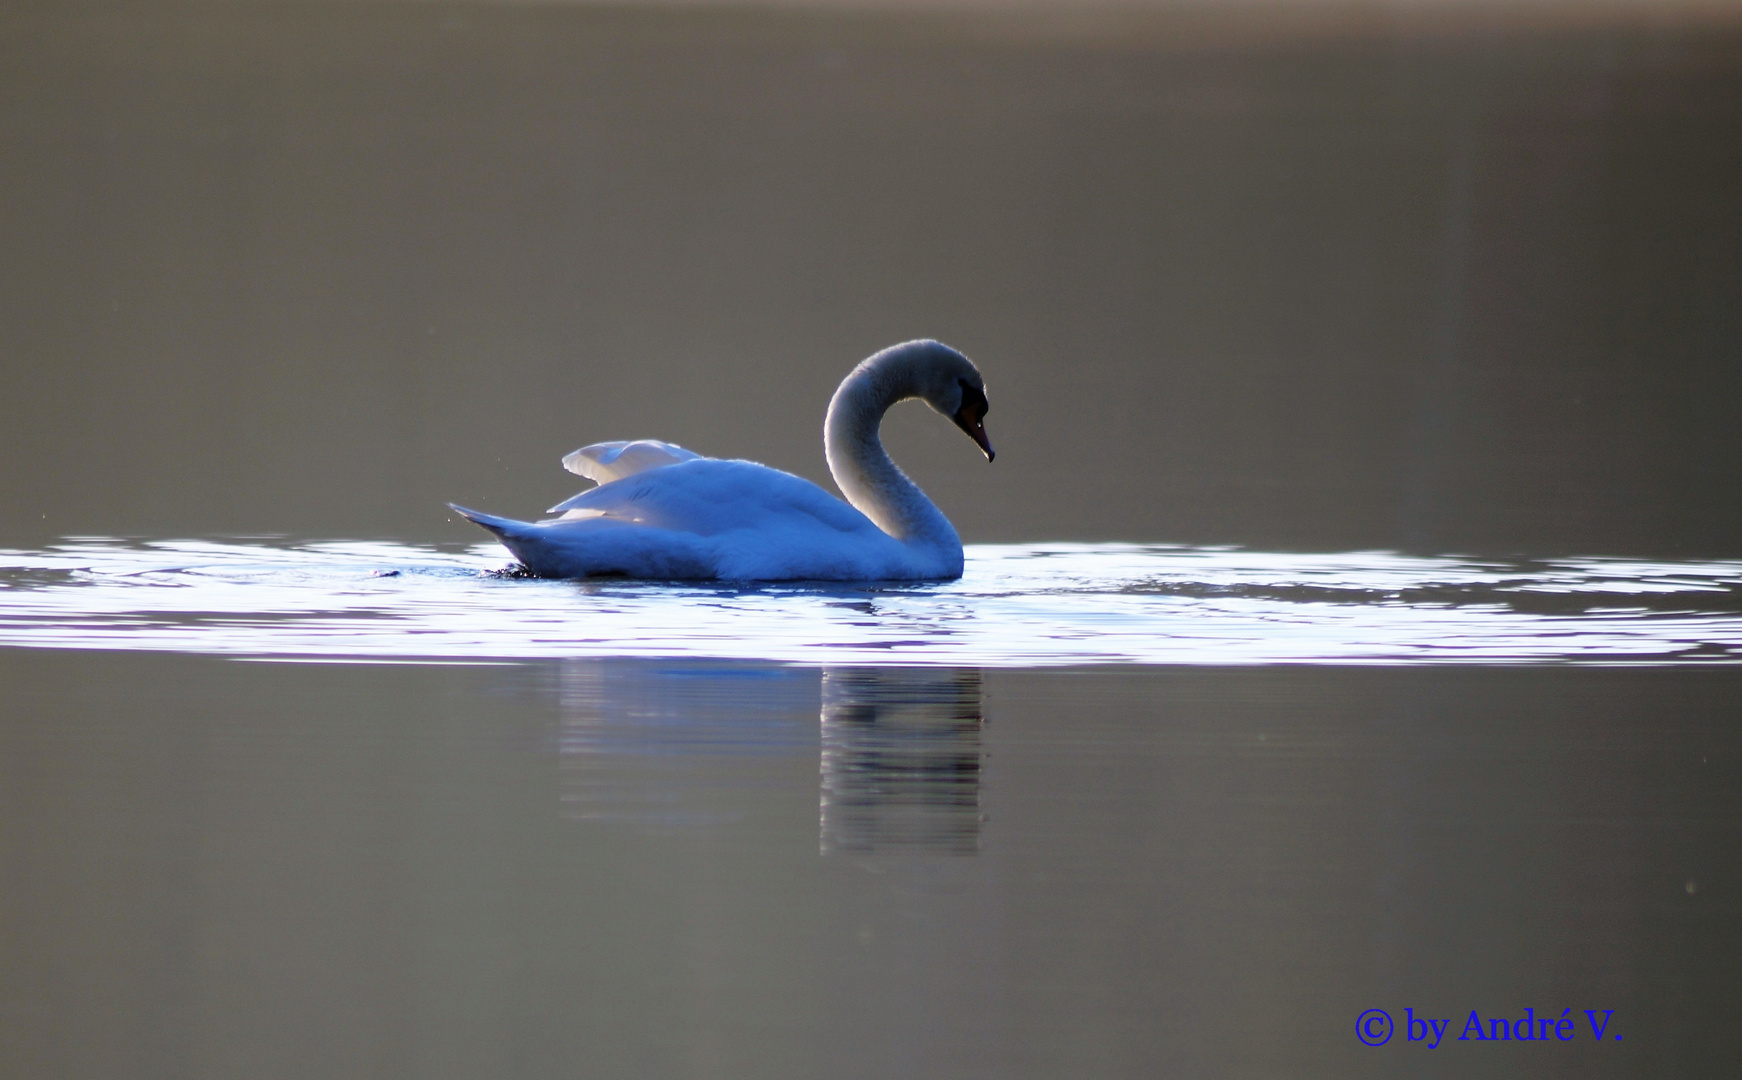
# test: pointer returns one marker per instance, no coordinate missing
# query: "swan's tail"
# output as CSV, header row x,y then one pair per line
x,y
597,547
519,537
502,527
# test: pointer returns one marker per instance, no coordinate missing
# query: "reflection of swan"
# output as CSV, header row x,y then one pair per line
x,y
901,761
661,511
670,745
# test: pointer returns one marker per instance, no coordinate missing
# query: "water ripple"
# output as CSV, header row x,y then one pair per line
x,y
1017,605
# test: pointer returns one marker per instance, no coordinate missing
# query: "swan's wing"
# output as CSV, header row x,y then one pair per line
x,y
707,496
608,461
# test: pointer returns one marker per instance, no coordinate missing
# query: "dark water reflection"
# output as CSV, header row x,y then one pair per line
x,y
901,760
612,868
654,745
660,747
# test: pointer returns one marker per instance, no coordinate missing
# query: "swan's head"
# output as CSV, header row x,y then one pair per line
x,y
950,383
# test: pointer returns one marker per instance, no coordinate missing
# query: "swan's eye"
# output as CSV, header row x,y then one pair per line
x,y
974,405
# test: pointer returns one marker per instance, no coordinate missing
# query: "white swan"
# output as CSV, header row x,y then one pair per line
x,y
663,512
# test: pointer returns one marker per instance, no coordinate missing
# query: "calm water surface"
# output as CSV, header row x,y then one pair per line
x,y
631,868
837,831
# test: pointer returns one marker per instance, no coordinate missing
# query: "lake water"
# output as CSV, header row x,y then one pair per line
x,y
1027,605
1351,621
471,825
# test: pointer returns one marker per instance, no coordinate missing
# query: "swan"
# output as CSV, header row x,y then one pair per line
x,y
663,512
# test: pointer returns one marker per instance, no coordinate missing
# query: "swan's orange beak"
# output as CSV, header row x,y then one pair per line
x,y
976,429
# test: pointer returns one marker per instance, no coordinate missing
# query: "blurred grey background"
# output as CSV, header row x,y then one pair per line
x,y
1442,278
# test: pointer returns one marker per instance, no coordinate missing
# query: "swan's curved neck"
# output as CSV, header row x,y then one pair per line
x,y
863,469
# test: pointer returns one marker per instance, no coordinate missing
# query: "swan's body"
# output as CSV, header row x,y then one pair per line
x,y
663,512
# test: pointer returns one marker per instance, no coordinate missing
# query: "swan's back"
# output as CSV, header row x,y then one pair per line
x,y
708,518
708,497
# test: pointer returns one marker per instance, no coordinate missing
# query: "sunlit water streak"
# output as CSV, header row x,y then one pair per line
x,y
1017,605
